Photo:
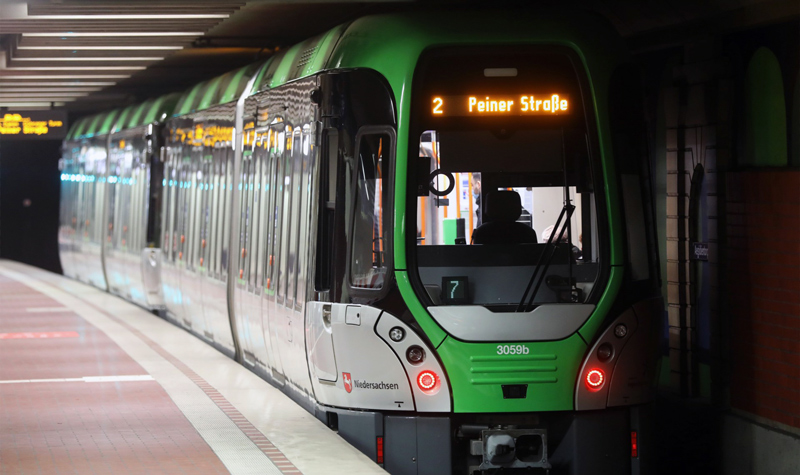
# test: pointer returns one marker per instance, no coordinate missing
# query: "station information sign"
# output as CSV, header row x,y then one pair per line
x,y
33,125
479,105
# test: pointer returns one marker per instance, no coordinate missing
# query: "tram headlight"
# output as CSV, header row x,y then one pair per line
x,y
397,334
605,352
415,355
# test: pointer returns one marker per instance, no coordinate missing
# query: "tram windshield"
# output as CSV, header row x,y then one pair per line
x,y
506,213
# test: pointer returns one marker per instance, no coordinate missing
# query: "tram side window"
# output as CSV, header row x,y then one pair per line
x,y
626,109
246,217
255,222
369,249
261,156
286,213
275,145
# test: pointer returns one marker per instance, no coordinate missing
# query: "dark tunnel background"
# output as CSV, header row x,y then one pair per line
x,y
29,196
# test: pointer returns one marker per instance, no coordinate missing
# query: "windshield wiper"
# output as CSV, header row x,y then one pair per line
x,y
568,209
538,277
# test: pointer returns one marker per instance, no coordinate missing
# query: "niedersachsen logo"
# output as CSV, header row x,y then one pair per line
x,y
369,385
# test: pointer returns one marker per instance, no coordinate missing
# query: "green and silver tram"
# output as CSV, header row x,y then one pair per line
x,y
434,231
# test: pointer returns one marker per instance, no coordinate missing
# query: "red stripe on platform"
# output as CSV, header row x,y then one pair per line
x,y
15,336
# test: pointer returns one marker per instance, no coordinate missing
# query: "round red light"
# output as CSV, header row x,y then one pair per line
x,y
595,379
429,382
426,380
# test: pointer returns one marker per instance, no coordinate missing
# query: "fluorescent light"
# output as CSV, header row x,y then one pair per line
x,y
40,103
76,68
70,34
65,84
7,89
102,48
107,58
42,96
142,16
69,76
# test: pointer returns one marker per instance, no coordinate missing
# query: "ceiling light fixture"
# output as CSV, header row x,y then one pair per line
x,y
68,76
45,97
59,83
38,103
72,34
76,68
141,16
107,58
101,48
7,89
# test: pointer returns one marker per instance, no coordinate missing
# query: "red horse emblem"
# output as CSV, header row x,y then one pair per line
x,y
348,386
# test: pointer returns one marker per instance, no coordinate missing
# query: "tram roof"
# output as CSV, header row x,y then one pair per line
x,y
389,43
219,90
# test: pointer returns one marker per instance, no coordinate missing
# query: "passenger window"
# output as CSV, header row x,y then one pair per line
x,y
304,219
275,145
368,255
294,217
263,188
286,213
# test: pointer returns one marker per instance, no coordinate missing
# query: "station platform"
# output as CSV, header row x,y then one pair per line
x,y
92,384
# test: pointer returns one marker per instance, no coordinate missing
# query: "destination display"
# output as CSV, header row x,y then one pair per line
x,y
33,125
506,105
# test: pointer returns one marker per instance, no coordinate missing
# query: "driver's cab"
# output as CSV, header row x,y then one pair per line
x,y
506,212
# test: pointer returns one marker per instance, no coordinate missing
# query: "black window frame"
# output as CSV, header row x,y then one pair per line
x,y
372,294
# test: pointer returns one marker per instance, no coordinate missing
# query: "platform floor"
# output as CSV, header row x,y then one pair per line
x,y
92,384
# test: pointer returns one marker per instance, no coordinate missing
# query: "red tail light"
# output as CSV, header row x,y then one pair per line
x,y
634,445
379,444
595,379
428,382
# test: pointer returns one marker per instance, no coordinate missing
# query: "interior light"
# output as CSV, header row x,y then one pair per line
x,y
595,379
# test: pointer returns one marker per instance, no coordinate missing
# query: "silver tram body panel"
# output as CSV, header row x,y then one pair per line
x,y
81,227
128,207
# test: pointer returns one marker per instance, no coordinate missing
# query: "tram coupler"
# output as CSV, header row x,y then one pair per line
x,y
511,449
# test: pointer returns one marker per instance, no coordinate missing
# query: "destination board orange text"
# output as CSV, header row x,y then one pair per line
x,y
487,105
16,124
33,125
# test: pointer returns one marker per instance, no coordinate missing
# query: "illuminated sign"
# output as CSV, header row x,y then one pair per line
x,y
488,105
36,125
199,136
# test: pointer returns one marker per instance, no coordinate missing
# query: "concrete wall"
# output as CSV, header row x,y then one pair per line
x,y
752,448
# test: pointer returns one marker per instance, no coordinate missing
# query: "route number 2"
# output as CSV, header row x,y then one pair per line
x,y
437,105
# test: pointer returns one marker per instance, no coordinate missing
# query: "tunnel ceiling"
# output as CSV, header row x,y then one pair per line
x,y
92,55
